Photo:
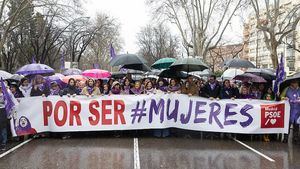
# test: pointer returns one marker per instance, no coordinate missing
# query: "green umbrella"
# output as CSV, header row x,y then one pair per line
x,y
189,65
163,63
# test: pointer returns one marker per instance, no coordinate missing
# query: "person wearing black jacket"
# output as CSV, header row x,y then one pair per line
x,y
71,88
40,87
227,91
212,88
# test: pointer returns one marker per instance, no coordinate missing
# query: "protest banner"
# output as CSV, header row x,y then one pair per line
x,y
155,111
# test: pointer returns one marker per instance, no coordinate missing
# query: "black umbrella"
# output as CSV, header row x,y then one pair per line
x,y
127,59
118,75
141,67
288,81
188,65
265,73
171,73
238,63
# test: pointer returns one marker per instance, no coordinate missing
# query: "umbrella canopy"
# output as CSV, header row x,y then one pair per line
x,y
171,73
130,71
153,72
118,75
238,63
96,73
35,69
127,59
16,78
163,63
141,67
5,75
72,71
246,77
288,81
57,77
231,73
205,72
265,73
76,77
188,65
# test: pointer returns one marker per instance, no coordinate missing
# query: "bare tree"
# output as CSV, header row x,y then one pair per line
x,y
202,23
276,21
33,28
157,42
220,54
109,33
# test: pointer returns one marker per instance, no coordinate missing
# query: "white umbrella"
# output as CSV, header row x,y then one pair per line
x,y
231,73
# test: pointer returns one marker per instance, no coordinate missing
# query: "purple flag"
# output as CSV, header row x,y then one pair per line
x,y
62,61
112,52
96,66
9,104
33,59
280,74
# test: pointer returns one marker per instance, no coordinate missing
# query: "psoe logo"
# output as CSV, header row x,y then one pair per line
x,y
272,116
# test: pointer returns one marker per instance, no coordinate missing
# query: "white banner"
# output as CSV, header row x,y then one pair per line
x,y
128,112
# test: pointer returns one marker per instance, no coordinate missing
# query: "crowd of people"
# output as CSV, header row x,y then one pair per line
x,y
212,89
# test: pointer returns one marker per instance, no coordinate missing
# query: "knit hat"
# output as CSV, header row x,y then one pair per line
x,y
114,84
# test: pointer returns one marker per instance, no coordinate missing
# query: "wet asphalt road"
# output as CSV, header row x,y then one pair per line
x,y
154,153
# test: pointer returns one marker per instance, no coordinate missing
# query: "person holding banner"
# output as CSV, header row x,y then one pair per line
x,y
54,90
106,90
137,89
115,88
211,89
149,89
292,94
245,93
90,89
71,89
190,88
40,88
126,86
162,85
174,87
227,92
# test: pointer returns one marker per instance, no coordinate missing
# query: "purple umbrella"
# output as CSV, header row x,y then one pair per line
x,y
57,77
246,77
35,69
72,71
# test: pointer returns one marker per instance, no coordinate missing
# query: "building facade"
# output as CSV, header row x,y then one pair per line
x,y
255,49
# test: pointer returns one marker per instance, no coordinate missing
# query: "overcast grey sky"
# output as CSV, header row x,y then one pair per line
x,y
131,14
134,14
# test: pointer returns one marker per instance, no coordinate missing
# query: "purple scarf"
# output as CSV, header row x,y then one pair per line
x,y
136,91
163,88
126,90
174,88
246,96
90,89
115,91
54,92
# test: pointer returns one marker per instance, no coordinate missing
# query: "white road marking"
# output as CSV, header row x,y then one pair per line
x,y
136,154
255,151
14,148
